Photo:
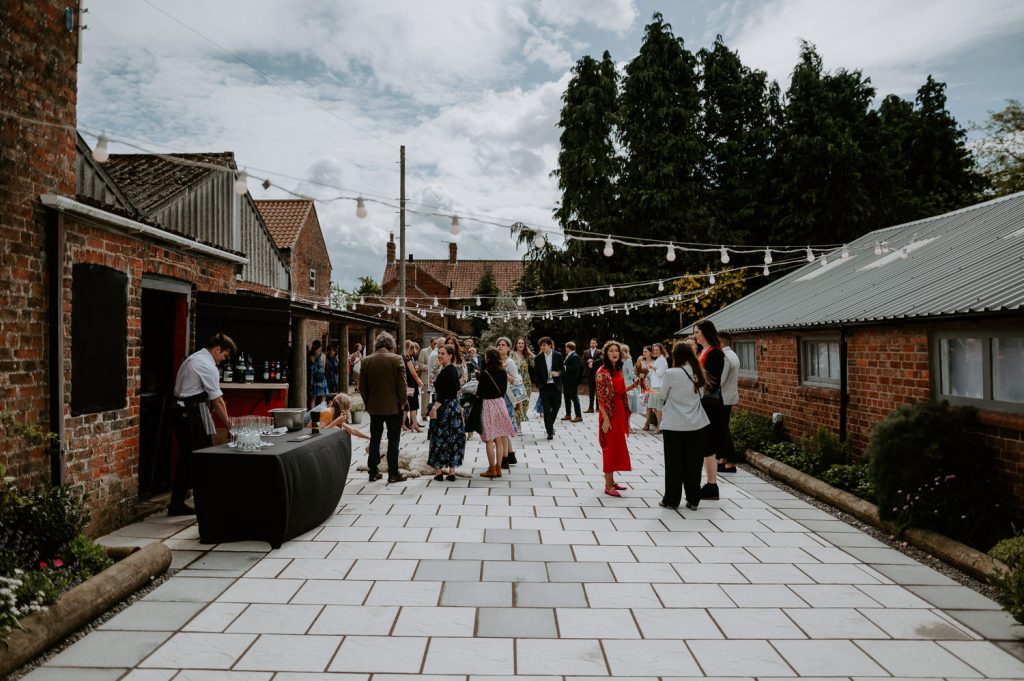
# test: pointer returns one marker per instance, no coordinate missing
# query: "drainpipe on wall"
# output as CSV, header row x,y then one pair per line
x,y
844,397
55,250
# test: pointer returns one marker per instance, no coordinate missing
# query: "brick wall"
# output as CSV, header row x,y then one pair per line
x,y
887,366
310,252
38,80
102,449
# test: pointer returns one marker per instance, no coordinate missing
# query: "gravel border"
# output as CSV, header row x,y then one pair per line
x,y
99,621
892,541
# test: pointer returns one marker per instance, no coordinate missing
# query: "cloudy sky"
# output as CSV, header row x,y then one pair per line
x,y
320,93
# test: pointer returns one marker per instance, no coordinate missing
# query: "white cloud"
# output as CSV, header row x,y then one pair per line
x,y
611,15
895,43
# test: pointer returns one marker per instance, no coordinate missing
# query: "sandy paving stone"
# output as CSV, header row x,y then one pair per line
x,y
110,649
367,620
603,623
739,658
203,651
827,658
755,623
529,595
261,591
436,621
560,656
650,658
470,656
154,616
843,623
377,654
275,652
274,619
516,623
914,624
916,658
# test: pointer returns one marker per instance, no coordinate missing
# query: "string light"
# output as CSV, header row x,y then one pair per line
x,y
397,301
242,183
904,253
767,257
670,254
519,301
362,300
765,271
101,154
478,303
360,208
885,247
878,248
724,255
609,250
456,227
846,253
436,303
661,286
711,279
565,296
824,260
611,291
539,241
810,254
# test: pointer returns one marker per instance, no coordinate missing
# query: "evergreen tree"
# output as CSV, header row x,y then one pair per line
x,y
506,322
488,290
1002,149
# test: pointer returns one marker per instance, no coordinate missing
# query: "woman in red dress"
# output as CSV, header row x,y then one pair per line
x,y
613,416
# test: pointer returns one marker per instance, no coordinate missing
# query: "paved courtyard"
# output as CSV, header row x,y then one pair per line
x,y
539,575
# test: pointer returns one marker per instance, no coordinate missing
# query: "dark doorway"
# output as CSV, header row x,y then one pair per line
x,y
163,349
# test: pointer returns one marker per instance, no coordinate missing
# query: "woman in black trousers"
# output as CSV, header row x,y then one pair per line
x,y
713,360
683,427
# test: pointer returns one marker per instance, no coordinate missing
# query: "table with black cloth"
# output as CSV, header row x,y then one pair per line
x,y
273,494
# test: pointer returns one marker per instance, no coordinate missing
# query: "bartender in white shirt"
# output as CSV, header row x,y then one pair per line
x,y
196,390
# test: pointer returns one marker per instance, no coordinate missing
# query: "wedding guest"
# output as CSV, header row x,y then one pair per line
x,y
683,427
730,398
713,360
613,417
629,373
332,370
355,361
382,386
317,383
504,347
548,369
592,360
413,385
524,360
571,382
446,430
423,367
497,426
336,416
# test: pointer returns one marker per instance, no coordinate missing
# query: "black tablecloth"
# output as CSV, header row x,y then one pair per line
x,y
271,495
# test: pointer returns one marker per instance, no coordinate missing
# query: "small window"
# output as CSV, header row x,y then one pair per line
x,y
979,368
312,278
747,352
819,361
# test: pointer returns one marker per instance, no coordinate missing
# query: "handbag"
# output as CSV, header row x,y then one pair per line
x,y
516,393
711,399
470,387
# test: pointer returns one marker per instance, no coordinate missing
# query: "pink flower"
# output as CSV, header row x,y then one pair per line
x,y
57,562
43,565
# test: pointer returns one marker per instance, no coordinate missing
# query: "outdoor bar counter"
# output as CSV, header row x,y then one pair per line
x,y
273,494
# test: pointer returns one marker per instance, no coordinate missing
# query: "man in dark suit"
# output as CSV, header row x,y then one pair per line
x,y
571,382
548,367
382,386
592,360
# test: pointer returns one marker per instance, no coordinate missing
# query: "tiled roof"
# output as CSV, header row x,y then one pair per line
x,y
150,180
462,276
284,218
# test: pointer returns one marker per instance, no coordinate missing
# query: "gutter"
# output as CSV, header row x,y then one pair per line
x,y
68,205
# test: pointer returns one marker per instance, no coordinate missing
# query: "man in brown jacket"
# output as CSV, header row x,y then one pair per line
x,y
382,386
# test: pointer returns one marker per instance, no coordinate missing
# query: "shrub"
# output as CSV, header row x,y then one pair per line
x,y
1010,585
86,558
854,478
751,431
931,472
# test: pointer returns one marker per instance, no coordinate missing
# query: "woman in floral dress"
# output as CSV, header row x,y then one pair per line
x,y
446,431
613,416
523,357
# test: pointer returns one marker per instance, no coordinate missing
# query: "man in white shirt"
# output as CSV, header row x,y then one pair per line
x,y
423,367
196,390
730,397
548,368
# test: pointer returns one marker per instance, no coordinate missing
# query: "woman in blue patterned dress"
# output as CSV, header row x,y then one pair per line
x,y
317,375
446,431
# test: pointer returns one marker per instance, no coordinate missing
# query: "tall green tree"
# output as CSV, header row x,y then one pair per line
x,y
506,321
1001,150
487,289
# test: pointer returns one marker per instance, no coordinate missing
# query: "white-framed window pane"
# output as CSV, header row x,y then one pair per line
x,y
312,278
1008,369
745,350
960,367
833,360
821,365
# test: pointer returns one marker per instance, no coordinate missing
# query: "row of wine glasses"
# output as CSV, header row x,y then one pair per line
x,y
247,432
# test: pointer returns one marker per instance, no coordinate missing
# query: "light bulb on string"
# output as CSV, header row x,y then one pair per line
x,y
539,241
846,253
661,286
435,302
398,301
878,248
711,279
362,300
242,183
904,253
767,256
478,303
885,247
810,254
456,227
101,154
824,260
360,208
611,291
565,296
650,303
519,301
765,271
609,249
670,253
724,255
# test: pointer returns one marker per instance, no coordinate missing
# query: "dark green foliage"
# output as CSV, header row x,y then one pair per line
x,y
931,471
827,448
1002,149
1010,584
86,557
488,291
751,431
854,478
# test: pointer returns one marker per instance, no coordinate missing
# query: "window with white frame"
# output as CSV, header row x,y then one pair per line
x,y
312,278
819,361
747,352
975,367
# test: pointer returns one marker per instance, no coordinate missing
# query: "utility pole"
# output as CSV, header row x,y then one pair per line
x,y
401,262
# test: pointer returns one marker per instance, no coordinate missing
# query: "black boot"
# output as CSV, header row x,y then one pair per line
x,y
709,491
511,459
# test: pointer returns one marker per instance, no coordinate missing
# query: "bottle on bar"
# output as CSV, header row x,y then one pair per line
x,y
229,373
266,371
283,373
273,373
250,372
240,368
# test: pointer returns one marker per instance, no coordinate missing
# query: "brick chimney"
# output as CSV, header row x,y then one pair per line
x,y
391,249
453,250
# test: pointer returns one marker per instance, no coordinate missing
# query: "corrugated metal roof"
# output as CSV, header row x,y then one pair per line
x,y
967,261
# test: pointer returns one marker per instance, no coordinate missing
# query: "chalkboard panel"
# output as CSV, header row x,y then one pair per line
x,y
99,339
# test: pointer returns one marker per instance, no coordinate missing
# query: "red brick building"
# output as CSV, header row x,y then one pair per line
x,y
451,281
936,314
82,260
